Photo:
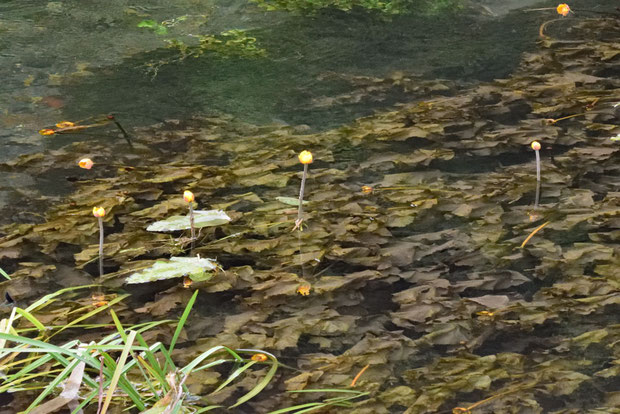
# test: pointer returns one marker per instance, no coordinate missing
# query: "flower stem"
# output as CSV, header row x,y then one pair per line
x,y
123,131
300,210
191,224
100,246
537,179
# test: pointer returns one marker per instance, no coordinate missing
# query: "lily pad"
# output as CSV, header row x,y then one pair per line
x,y
196,268
291,201
202,218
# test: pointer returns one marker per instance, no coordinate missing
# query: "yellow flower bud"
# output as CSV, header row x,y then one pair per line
x,y
563,9
304,290
535,145
86,163
65,124
47,131
366,189
98,212
188,196
305,157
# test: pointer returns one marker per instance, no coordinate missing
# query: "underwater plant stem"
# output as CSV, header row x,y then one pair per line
x,y
537,178
120,127
100,246
541,30
300,210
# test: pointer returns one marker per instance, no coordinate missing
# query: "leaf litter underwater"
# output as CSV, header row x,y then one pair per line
x,y
410,261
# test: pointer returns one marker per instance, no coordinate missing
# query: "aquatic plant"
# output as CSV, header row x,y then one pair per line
x,y
305,157
188,196
536,147
385,7
99,212
227,44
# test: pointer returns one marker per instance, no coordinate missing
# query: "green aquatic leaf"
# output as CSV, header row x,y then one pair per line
x,y
148,23
196,268
202,218
291,201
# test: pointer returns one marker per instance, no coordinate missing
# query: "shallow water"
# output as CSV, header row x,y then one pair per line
x,y
425,278
71,60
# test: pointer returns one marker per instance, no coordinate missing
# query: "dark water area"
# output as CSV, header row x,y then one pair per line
x,y
71,61
433,272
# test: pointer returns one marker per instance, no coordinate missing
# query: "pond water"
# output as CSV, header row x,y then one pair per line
x,y
415,248
70,60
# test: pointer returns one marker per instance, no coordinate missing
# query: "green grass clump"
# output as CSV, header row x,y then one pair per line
x,y
122,368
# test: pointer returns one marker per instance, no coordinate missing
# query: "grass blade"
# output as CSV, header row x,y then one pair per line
x,y
118,371
119,325
91,313
262,384
31,319
182,321
3,273
45,300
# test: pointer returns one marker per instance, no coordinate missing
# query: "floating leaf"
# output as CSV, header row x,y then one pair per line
x,y
196,268
202,218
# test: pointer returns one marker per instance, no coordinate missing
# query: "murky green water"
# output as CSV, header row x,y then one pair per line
x,y
70,60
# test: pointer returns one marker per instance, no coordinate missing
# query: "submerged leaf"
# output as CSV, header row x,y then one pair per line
x,y
196,268
291,201
202,218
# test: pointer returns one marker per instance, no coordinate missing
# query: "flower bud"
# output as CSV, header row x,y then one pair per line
x,y
47,131
305,157
366,189
86,163
259,357
98,212
188,196
65,124
304,290
563,9
535,145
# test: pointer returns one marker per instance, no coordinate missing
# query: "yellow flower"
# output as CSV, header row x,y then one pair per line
x,y
259,357
47,131
366,189
535,145
65,124
305,157
86,163
304,290
187,282
563,9
188,196
98,212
